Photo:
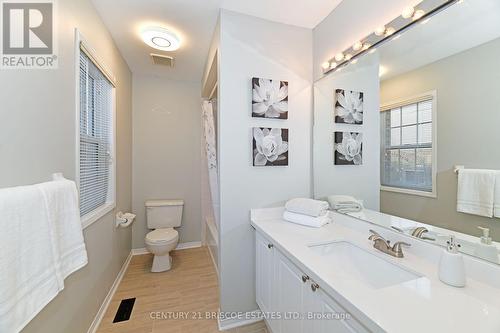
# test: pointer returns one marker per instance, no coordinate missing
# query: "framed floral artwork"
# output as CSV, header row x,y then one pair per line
x,y
348,148
270,146
269,98
348,107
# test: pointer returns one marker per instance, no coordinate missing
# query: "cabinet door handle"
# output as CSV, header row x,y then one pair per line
x,y
305,278
314,286
270,245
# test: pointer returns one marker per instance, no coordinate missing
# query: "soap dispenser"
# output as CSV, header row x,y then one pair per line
x,y
485,249
451,265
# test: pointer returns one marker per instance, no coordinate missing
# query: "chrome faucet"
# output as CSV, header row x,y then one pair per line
x,y
419,233
383,245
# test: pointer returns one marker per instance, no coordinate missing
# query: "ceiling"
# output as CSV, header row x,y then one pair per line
x,y
194,22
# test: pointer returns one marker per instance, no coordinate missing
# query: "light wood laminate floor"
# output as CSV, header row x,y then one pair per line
x,y
190,288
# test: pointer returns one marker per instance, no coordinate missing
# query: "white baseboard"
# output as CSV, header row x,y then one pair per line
x,y
180,246
188,245
139,251
250,317
104,306
213,262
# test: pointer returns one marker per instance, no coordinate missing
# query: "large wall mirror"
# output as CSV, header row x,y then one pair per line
x,y
431,103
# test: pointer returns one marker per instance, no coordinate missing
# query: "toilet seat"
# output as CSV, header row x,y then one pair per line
x,y
162,236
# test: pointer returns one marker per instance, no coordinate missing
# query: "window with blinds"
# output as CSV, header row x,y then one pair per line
x,y
407,146
96,112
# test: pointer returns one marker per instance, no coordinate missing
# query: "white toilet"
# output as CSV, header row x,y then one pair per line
x,y
162,216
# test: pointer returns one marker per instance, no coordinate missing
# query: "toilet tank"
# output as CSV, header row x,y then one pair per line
x,y
164,213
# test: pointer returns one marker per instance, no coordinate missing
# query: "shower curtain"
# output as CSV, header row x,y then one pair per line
x,y
211,156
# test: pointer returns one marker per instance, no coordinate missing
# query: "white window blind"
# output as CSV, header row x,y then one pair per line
x,y
95,136
407,156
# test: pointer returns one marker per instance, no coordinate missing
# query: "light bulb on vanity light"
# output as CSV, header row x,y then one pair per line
x,y
333,65
418,14
357,46
348,56
389,31
408,12
379,31
366,46
339,56
325,65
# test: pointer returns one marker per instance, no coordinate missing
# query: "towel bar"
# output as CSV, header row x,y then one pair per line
x,y
457,168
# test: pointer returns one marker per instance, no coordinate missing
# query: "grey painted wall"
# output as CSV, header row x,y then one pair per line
x,y
251,47
37,138
468,114
167,153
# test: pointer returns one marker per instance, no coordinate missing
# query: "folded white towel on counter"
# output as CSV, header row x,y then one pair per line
x,y
40,246
307,206
345,203
476,191
496,212
306,220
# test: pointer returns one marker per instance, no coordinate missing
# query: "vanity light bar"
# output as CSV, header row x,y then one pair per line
x,y
393,30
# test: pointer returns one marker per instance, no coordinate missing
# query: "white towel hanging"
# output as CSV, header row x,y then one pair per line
x,y
476,190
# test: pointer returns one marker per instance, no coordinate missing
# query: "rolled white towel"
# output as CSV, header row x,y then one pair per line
x,y
345,203
307,206
306,220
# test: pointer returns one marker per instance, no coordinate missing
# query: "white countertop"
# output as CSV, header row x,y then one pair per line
x,y
422,305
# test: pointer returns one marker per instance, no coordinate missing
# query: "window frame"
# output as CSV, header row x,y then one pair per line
x,y
407,101
81,45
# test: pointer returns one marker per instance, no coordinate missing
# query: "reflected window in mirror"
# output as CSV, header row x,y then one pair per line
x,y
407,146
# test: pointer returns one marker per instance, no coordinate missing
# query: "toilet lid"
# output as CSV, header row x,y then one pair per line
x,y
162,235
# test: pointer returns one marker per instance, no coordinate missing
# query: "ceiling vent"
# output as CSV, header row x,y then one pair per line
x,y
163,60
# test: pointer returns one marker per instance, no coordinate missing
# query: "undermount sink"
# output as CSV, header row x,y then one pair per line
x,y
358,264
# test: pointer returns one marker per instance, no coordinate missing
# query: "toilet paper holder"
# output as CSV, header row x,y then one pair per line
x,y
123,220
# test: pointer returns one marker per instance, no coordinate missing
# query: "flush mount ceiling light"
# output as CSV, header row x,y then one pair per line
x,y
160,39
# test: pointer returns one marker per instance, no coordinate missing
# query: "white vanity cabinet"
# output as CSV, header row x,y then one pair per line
x,y
264,271
283,290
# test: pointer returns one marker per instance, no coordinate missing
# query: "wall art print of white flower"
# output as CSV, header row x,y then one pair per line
x,y
269,98
348,148
348,107
270,146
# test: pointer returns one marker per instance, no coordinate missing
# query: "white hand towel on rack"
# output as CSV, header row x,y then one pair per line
x,y
61,199
38,249
476,190
496,212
